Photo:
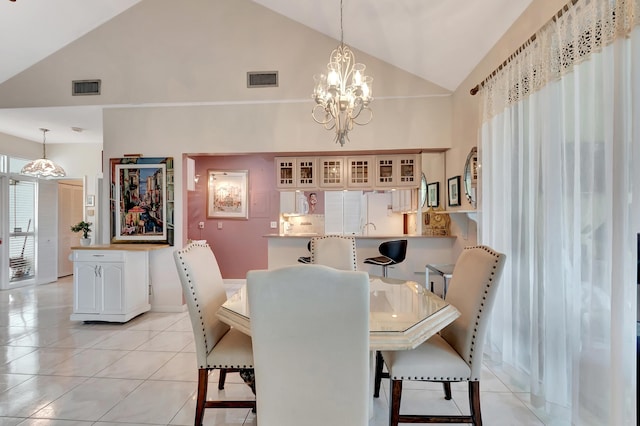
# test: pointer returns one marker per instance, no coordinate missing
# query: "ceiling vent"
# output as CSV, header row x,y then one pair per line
x,y
262,79
86,87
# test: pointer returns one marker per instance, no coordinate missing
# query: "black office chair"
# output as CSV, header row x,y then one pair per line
x,y
306,259
392,253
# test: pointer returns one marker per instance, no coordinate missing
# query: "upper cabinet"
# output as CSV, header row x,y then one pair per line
x,y
296,172
360,171
350,172
332,172
400,170
285,172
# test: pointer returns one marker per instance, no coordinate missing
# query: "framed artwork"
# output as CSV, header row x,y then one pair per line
x,y
227,194
433,194
142,200
454,191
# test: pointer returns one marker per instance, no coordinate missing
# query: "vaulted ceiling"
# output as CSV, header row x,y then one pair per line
x,y
438,40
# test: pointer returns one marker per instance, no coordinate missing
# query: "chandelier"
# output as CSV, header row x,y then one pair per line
x,y
43,168
343,94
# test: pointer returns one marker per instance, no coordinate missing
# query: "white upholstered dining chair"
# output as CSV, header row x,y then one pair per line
x,y
336,251
454,355
217,345
310,348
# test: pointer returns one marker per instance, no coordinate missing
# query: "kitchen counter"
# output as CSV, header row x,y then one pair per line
x,y
284,250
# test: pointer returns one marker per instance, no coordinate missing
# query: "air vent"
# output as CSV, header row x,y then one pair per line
x,y
262,79
86,87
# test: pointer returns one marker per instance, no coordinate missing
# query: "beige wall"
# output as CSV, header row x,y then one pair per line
x,y
194,51
19,148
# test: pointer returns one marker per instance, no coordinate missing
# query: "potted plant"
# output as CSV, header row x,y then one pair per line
x,y
85,228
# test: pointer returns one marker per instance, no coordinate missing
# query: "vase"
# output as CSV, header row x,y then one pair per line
x,y
85,241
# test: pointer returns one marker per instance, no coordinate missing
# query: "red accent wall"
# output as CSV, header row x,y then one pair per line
x,y
240,245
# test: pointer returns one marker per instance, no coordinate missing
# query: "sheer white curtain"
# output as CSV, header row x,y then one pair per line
x,y
557,153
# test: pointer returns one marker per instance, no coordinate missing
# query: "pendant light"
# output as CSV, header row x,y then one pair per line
x,y
43,168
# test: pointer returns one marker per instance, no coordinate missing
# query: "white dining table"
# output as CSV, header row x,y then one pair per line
x,y
402,314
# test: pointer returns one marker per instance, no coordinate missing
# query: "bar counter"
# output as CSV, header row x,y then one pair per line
x,y
284,250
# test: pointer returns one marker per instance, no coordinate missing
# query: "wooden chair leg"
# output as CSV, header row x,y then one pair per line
x,y
447,390
396,396
203,381
223,377
474,402
378,374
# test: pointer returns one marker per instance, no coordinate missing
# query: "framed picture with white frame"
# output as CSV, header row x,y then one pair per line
x,y
228,194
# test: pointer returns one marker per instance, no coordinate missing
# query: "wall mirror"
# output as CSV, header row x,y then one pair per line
x,y
470,176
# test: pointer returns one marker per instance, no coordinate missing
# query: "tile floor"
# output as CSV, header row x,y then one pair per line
x,y
58,372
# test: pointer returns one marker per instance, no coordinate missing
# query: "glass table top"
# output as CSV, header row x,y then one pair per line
x,y
402,314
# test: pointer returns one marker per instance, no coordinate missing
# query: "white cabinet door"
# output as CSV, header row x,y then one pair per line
x,y
306,173
87,288
332,172
360,171
112,277
285,172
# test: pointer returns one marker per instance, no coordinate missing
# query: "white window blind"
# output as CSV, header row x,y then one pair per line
x,y
21,229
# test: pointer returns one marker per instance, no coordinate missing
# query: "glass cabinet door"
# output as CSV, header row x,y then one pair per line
x,y
285,168
331,172
360,171
306,176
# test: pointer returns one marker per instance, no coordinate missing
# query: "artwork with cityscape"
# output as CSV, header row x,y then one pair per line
x,y
142,200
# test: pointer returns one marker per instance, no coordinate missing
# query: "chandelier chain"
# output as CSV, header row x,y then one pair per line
x,y
341,27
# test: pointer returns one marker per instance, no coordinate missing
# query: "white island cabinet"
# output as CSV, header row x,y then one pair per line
x,y
110,283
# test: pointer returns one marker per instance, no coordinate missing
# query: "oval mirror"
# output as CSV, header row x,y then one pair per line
x,y
423,190
471,176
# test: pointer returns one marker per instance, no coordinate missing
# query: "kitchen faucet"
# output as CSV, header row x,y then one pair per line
x,y
364,227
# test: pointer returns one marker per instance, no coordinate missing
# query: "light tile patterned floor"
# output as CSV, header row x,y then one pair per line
x,y
58,372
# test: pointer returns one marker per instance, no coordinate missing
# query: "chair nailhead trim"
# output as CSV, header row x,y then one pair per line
x,y
193,292
428,378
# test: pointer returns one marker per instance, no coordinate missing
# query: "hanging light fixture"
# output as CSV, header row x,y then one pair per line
x,y
43,168
343,94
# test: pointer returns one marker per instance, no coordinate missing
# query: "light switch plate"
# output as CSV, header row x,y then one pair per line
x,y
274,225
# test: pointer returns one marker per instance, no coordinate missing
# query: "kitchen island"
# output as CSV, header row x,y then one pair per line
x,y
111,282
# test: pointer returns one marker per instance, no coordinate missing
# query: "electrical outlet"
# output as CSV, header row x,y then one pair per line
x,y
274,225
201,225
219,225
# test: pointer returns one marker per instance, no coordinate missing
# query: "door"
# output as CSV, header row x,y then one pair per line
x,y
70,210
21,241
86,288
47,231
112,276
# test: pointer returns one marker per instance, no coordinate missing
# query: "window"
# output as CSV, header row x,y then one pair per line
x,y
21,229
